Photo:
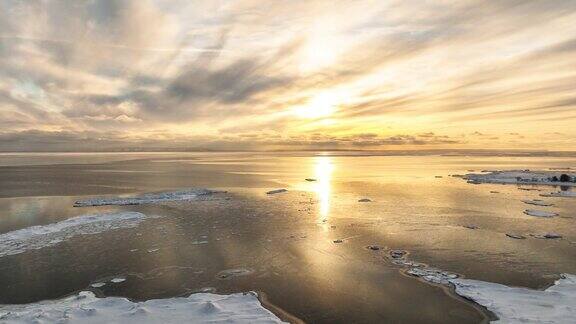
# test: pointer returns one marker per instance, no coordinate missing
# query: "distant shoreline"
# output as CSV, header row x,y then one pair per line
x,y
335,152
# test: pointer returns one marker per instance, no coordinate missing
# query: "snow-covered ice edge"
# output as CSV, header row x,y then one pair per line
x,y
556,304
149,198
86,308
41,236
549,178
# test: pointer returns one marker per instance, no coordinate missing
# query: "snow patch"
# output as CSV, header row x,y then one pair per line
x,y
556,304
41,236
86,308
149,198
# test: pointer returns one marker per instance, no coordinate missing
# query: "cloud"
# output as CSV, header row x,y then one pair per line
x,y
212,72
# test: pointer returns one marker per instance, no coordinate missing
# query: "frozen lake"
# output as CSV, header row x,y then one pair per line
x,y
303,250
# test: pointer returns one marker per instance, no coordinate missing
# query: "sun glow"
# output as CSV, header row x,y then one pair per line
x,y
320,106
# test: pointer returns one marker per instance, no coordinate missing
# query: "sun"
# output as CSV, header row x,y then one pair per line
x,y
320,106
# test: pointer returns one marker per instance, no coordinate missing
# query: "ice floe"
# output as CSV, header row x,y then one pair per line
x,y
231,273
397,254
568,194
553,178
516,236
149,198
539,213
86,308
277,191
41,236
98,285
548,236
432,275
537,202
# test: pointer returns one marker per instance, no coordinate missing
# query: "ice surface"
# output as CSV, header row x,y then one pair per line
x,y
556,304
38,237
86,308
149,198
539,213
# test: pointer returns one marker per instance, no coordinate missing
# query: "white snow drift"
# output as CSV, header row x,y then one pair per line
x,y
37,237
86,308
149,198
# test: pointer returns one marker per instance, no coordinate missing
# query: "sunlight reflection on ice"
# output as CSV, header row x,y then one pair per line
x,y
323,173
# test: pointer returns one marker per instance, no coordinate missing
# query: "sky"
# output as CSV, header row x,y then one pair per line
x,y
84,75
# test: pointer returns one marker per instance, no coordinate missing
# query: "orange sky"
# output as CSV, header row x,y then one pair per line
x,y
247,74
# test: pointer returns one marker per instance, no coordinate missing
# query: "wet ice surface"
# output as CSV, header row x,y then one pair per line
x,y
85,307
149,198
287,241
42,236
